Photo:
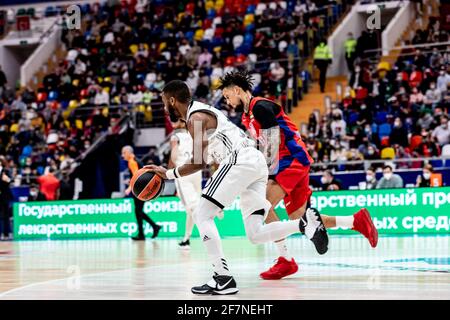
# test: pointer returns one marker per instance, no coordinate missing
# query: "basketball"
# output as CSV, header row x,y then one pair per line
x,y
146,185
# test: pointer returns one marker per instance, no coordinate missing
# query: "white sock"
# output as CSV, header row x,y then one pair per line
x,y
258,232
211,239
282,249
344,221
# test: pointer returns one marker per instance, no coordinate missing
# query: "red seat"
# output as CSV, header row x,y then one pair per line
x,y
385,141
230,61
190,7
207,23
415,142
218,33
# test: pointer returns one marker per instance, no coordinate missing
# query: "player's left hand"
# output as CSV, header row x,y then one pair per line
x,y
160,171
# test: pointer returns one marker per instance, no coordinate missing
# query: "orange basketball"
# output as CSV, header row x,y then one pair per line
x,y
146,185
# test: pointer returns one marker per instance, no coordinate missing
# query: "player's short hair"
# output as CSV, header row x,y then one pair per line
x,y
386,166
179,90
242,79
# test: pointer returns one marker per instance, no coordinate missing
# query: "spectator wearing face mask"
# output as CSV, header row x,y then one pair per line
x,y
443,81
399,135
371,179
338,126
390,180
423,180
329,182
442,133
35,194
433,94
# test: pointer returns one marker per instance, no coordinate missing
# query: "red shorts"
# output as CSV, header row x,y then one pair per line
x,y
295,182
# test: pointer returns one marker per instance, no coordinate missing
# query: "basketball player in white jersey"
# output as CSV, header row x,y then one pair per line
x,y
242,172
189,188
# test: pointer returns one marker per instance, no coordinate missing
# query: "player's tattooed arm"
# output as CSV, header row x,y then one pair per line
x,y
269,135
269,145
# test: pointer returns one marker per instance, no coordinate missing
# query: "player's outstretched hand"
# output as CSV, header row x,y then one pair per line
x,y
160,171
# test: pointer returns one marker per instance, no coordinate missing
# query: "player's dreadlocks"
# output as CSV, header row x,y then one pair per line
x,y
242,79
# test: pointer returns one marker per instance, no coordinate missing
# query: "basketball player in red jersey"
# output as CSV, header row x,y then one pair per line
x,y
289,164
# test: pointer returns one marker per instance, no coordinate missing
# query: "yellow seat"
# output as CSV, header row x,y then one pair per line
x,y
73,104
162,46
199,35
250,17
134,48
388,153
14,128
215,84
66,122
105,112
79,124
218,6
148,114
75,82
209,5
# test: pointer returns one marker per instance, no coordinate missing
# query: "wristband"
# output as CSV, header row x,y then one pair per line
x,y
170,174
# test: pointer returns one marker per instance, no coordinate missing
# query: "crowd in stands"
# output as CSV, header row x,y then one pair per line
x,y
123,56
389,112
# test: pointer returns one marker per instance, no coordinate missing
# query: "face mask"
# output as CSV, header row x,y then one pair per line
x,y
444,125
427,175
370,152
323,180
369,178
396,124
367,130
387,176
33,193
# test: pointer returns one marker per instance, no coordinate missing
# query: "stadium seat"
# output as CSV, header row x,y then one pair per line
x,y
41,97
21,12
31,12
260,8
209,5
385,141
238,40
352,118
256,79
240,59
388,153
381,117
445,151
53,95
415,142
198,36
384,130
229,61
190,7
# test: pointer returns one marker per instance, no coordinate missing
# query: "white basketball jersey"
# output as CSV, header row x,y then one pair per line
x,y
226,138
184,149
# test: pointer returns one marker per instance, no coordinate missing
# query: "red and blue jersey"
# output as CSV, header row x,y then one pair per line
x,y
263,114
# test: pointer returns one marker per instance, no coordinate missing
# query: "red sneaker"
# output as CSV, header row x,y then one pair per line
x,y
281,269
363,223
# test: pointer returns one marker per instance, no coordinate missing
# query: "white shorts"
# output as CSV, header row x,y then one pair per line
x,y
244,173
189,190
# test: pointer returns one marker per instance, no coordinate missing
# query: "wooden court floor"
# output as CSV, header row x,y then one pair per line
x,y
415,267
